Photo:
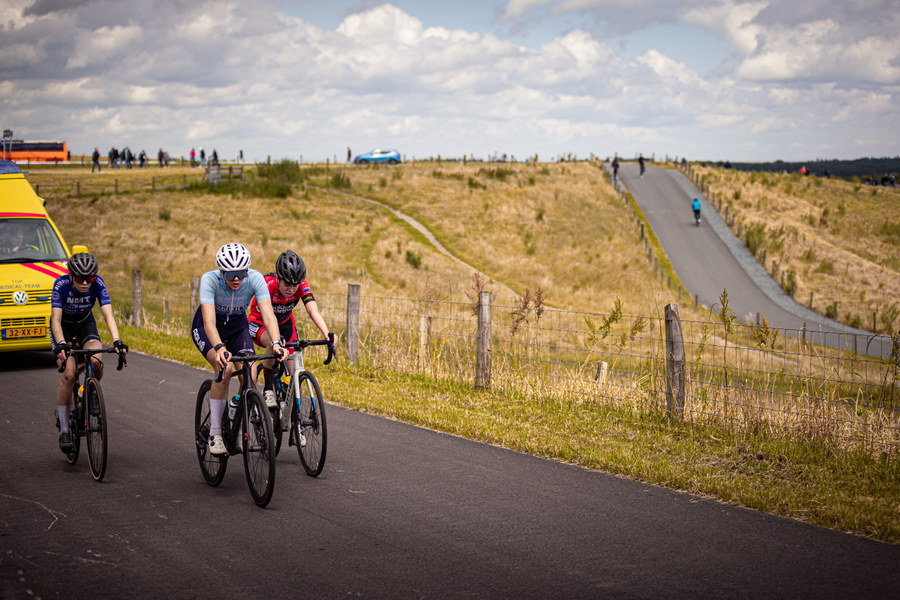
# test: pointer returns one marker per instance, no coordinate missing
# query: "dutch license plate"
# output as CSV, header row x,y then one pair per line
x,y
24,332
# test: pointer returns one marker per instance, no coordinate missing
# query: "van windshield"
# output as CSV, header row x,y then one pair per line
x,y
29,240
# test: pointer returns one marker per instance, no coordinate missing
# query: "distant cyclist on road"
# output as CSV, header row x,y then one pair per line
x,y
287,286
641,162
220,324
696,206
71,302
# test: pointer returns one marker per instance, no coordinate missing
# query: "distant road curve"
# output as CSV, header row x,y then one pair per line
x,y
710,258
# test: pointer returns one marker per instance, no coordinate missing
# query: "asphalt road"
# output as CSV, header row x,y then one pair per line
x,y
399,512
709,258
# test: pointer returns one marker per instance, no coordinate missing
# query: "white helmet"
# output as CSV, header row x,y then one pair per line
x,y
233,257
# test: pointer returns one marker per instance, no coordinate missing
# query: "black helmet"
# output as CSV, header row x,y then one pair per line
x,y
83,264
290,267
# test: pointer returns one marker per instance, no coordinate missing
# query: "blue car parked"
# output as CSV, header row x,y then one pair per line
x,y
392,157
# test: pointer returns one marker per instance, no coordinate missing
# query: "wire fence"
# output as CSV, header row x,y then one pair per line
x,y
795,384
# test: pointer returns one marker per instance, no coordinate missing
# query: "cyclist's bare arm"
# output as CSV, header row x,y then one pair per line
x,y
108,316
312,309
218,361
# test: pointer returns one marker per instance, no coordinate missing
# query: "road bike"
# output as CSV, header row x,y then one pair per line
x,y
300,394
256,443
87,418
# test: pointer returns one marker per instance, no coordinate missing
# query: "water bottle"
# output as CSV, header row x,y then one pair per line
x,y
232,406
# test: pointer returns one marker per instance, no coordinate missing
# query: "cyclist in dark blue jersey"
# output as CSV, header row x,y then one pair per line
x,y
71,320
220,324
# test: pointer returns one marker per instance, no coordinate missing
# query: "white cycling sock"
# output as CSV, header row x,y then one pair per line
x,y
63,412
216,410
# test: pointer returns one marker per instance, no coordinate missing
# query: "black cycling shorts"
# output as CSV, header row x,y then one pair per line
x,y
288,331
235,334
78,333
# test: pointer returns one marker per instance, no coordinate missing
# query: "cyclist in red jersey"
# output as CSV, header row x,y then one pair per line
x,y
287,287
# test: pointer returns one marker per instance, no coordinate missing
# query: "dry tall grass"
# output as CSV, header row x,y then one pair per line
x,y
557,227
837,239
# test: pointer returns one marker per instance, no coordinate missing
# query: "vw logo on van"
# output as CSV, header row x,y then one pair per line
x,y
20,297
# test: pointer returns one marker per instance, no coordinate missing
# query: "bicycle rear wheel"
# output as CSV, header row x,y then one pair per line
x,y
308,429
259,449
95,432
75,427
212,467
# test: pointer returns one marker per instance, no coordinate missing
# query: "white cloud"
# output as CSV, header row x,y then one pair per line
x,y
238,76
518,8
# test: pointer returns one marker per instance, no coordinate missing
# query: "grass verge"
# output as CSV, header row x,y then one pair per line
x,y
844,491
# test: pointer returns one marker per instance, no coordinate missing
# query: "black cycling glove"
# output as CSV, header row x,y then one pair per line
x,y
119,346
62,350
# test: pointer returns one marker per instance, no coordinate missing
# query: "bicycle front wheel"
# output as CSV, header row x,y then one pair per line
x,y
308,430
259,449
212,467
95,431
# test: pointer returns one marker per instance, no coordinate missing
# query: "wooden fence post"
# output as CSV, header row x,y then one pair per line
x,y
424,339
483,336
153,185
167,310
675,363
78,190
136,296
195,293
352,322
117,187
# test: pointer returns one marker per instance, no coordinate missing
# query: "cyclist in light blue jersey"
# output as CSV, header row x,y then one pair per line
x,y
220,324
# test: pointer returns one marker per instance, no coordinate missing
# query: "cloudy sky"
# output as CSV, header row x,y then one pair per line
x,y
707,79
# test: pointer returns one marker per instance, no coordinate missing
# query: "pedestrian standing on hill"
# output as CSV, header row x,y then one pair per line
x,y
193,157
95,159
202,157
142,158
159,158
214,158
349,155
641,162
615,166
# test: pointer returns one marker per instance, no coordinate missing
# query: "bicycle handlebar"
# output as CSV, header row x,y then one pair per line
x,y
243,358
93,351
301,344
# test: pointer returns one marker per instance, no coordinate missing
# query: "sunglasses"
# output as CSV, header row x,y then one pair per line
x,y
83,280
232,275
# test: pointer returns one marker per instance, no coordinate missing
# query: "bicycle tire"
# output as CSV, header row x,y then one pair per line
x,y
259,449
74,428
212,467
95,431
308,420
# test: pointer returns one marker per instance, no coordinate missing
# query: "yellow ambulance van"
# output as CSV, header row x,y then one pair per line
x,y
32,255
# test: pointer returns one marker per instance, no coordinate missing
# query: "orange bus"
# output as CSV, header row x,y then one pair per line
x,y
34,151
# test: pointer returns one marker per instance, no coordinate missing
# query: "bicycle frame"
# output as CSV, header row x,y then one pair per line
x,y
246,384
297,365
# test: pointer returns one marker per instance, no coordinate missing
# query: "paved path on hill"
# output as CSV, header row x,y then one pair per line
x,y
398,512
710,258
